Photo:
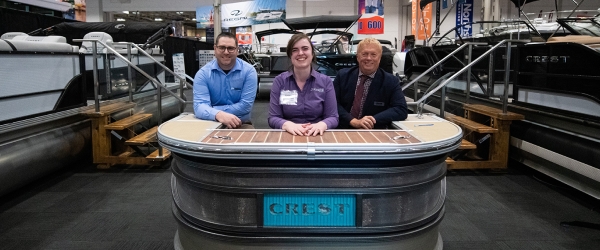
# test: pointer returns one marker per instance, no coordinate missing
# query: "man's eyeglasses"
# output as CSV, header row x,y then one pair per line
x,y
229,49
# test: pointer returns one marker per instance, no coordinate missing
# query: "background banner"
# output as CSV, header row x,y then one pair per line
x,y
423,19
464,14
242,13
371,21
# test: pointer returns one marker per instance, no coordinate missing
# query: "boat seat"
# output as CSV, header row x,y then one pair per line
x,y
4,46
86,47
38,44
122,49
11,35
154,51
46,39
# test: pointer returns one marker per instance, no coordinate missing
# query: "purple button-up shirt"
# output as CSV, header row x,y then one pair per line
x,y
316,101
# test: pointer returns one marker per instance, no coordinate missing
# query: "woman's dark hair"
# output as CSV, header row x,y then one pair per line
x,y
296,38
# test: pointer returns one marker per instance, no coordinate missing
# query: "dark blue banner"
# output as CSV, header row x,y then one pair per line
x,y
464,15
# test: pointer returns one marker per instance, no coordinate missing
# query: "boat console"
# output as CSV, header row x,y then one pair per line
x,y
268,189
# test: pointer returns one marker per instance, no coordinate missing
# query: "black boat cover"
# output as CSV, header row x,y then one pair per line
x,y
260,34
329,22
423,3
332,32
519,3
136,32
380,41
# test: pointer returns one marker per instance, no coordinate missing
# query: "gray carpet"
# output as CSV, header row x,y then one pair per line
x,y
127,207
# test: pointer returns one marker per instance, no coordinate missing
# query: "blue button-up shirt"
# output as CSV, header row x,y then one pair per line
x,y
216,91
315,102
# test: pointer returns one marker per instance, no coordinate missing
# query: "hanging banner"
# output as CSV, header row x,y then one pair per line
x,y
371,20
242,13
423,18
244,35
437,18
464,14
444,4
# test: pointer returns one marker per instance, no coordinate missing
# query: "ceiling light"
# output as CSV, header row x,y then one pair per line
x,y
158,19
126,12
120,19
179,12
193,19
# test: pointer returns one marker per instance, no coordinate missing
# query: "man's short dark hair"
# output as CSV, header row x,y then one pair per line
x,y
226,34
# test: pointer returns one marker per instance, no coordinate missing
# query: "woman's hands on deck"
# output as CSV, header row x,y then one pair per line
x,y
305,129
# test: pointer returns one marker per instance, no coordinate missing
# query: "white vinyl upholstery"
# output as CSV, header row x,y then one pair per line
x,y
4,46
27,43
86,47
11,35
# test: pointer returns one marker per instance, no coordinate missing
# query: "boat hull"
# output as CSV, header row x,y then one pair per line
x,y
36,147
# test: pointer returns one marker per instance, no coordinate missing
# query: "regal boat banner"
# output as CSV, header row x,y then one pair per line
x,y
242,13
371,20
464,15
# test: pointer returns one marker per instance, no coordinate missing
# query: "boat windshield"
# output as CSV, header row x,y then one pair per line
x,y
582,26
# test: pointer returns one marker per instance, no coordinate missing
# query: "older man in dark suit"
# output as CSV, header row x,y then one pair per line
x,y
367,96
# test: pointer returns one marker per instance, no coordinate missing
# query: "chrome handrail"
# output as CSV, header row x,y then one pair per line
x,y
159,86
468,67
440,62
162,65
113,51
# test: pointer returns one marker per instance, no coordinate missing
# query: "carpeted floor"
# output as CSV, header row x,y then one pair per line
x,y
125,207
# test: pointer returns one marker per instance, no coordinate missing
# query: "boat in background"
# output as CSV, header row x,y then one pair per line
x,y
331,54
267,14
46,85
555,84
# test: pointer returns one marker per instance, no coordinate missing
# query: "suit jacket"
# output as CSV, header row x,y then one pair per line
x,y
385,100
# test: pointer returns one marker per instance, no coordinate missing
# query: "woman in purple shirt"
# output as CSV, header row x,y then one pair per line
x,y
302,99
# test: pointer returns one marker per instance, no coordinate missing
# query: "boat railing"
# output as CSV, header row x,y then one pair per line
x,y
159,87
182,79
528,25
415,81
421,101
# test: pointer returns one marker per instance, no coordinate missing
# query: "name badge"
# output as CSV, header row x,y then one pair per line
x,y
288,97
379,104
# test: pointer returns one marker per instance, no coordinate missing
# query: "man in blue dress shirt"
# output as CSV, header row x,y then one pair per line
x,y
225,88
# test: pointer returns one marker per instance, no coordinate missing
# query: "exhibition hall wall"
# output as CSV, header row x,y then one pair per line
x,y
397,13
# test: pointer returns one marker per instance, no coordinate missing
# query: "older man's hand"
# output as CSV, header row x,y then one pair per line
x,y
367,122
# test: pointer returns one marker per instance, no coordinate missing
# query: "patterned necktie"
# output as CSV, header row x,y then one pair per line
x,y
360,91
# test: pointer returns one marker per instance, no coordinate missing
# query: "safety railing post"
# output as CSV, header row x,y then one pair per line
x,y
181,86
130,72
416,90
95,72
159,109
468,88
443,103
491,69
107,73
506,78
